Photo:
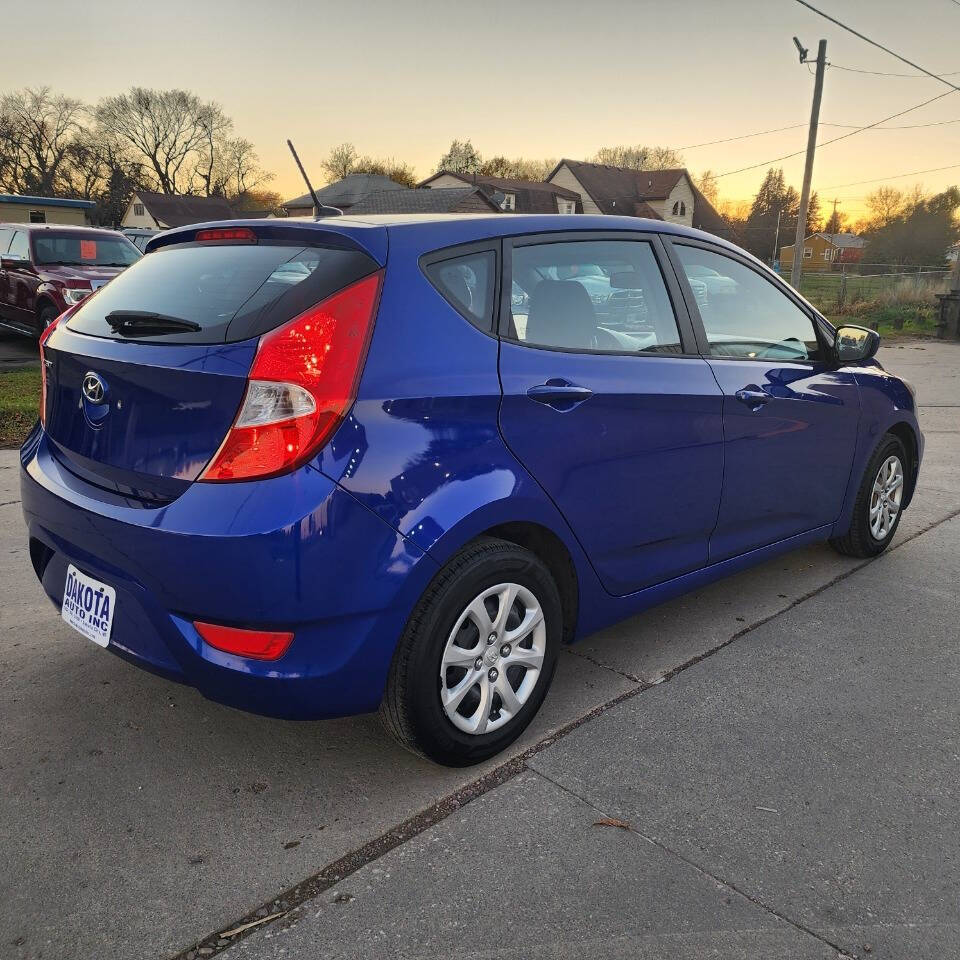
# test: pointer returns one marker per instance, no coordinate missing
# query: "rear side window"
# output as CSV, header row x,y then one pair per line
x,y
591,296
234,292
467,284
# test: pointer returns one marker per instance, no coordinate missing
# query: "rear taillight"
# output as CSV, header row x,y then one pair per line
x,y
302,384
44,337
255,644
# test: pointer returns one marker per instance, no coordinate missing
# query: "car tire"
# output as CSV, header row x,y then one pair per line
x,y
45,316
443,696
884,483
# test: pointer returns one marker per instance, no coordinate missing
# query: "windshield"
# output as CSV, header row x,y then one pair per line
x,y
81,250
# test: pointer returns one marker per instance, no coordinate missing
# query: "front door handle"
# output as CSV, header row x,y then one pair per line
x,y
559,394
753,396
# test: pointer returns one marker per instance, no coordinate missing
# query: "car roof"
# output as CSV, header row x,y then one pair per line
x,y
425,233
59,227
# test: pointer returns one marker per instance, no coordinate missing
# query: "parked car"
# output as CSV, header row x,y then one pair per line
x,y
139,236
295,465
46,268
715,283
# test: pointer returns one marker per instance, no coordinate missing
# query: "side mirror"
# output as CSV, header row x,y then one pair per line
x,y
13,263
853,344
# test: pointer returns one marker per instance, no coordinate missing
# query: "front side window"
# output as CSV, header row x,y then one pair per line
x,y
744,315
466,283
591,295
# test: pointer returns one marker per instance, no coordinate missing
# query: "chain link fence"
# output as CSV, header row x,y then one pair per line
x,y
853,283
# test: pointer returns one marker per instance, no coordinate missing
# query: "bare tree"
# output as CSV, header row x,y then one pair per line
x,y
340,161
164,130
241,170
706,183
213,169
396,170
462,157
518,168
37,131
639,157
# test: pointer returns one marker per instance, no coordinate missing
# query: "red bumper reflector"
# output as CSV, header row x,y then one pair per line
x,y
255,644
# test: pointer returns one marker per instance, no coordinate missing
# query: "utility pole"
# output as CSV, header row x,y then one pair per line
x,y
833,219
808,166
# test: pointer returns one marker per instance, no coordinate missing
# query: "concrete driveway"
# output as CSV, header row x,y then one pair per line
x,y
141,821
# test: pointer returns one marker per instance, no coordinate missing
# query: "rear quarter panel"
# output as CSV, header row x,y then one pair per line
x,y
422,448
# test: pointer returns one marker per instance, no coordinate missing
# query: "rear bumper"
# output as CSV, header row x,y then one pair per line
x,y
295,552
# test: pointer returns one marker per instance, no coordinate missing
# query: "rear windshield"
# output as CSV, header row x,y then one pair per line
x,y
75,249
233,292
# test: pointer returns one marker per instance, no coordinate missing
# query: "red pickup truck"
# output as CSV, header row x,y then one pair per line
x,y
45,268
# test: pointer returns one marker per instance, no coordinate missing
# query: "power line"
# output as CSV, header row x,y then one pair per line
x,y
745,136
796,126
905,126
884,73
894,176
844,136
874,43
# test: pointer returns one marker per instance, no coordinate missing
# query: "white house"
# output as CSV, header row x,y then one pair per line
x,y
160,211
669,195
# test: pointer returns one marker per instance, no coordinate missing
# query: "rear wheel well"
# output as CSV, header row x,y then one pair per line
x,y
553,552
904,433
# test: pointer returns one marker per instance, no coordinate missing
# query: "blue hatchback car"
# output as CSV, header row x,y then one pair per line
x,y
315,468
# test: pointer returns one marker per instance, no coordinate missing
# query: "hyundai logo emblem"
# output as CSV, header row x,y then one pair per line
x,y
94,389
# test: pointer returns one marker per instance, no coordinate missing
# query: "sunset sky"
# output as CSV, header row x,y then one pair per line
x,y
523,78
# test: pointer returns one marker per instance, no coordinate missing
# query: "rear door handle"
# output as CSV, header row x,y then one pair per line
x,y
559,394
752,396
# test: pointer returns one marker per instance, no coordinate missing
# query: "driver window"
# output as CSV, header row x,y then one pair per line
x,y
745,315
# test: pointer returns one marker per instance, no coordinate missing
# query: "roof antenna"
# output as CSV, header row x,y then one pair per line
x,y
319,210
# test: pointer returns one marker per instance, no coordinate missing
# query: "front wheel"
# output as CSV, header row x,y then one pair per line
x,y
876,513
45,317
477,656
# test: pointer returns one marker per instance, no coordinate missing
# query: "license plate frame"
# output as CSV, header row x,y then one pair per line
x,y
89,606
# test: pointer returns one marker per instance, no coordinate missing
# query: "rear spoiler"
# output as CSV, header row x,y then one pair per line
x,y
367,238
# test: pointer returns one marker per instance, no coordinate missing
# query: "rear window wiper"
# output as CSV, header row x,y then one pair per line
x,y
146,321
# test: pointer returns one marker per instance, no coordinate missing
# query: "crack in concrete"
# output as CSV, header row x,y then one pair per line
x,y
288,901
730,885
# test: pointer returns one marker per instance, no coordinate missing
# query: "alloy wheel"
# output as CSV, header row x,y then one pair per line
x,y
492,658
886,497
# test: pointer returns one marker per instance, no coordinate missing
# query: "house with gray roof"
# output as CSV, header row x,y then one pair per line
x,y
461,199
343,194
162,211
511,195
657,194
